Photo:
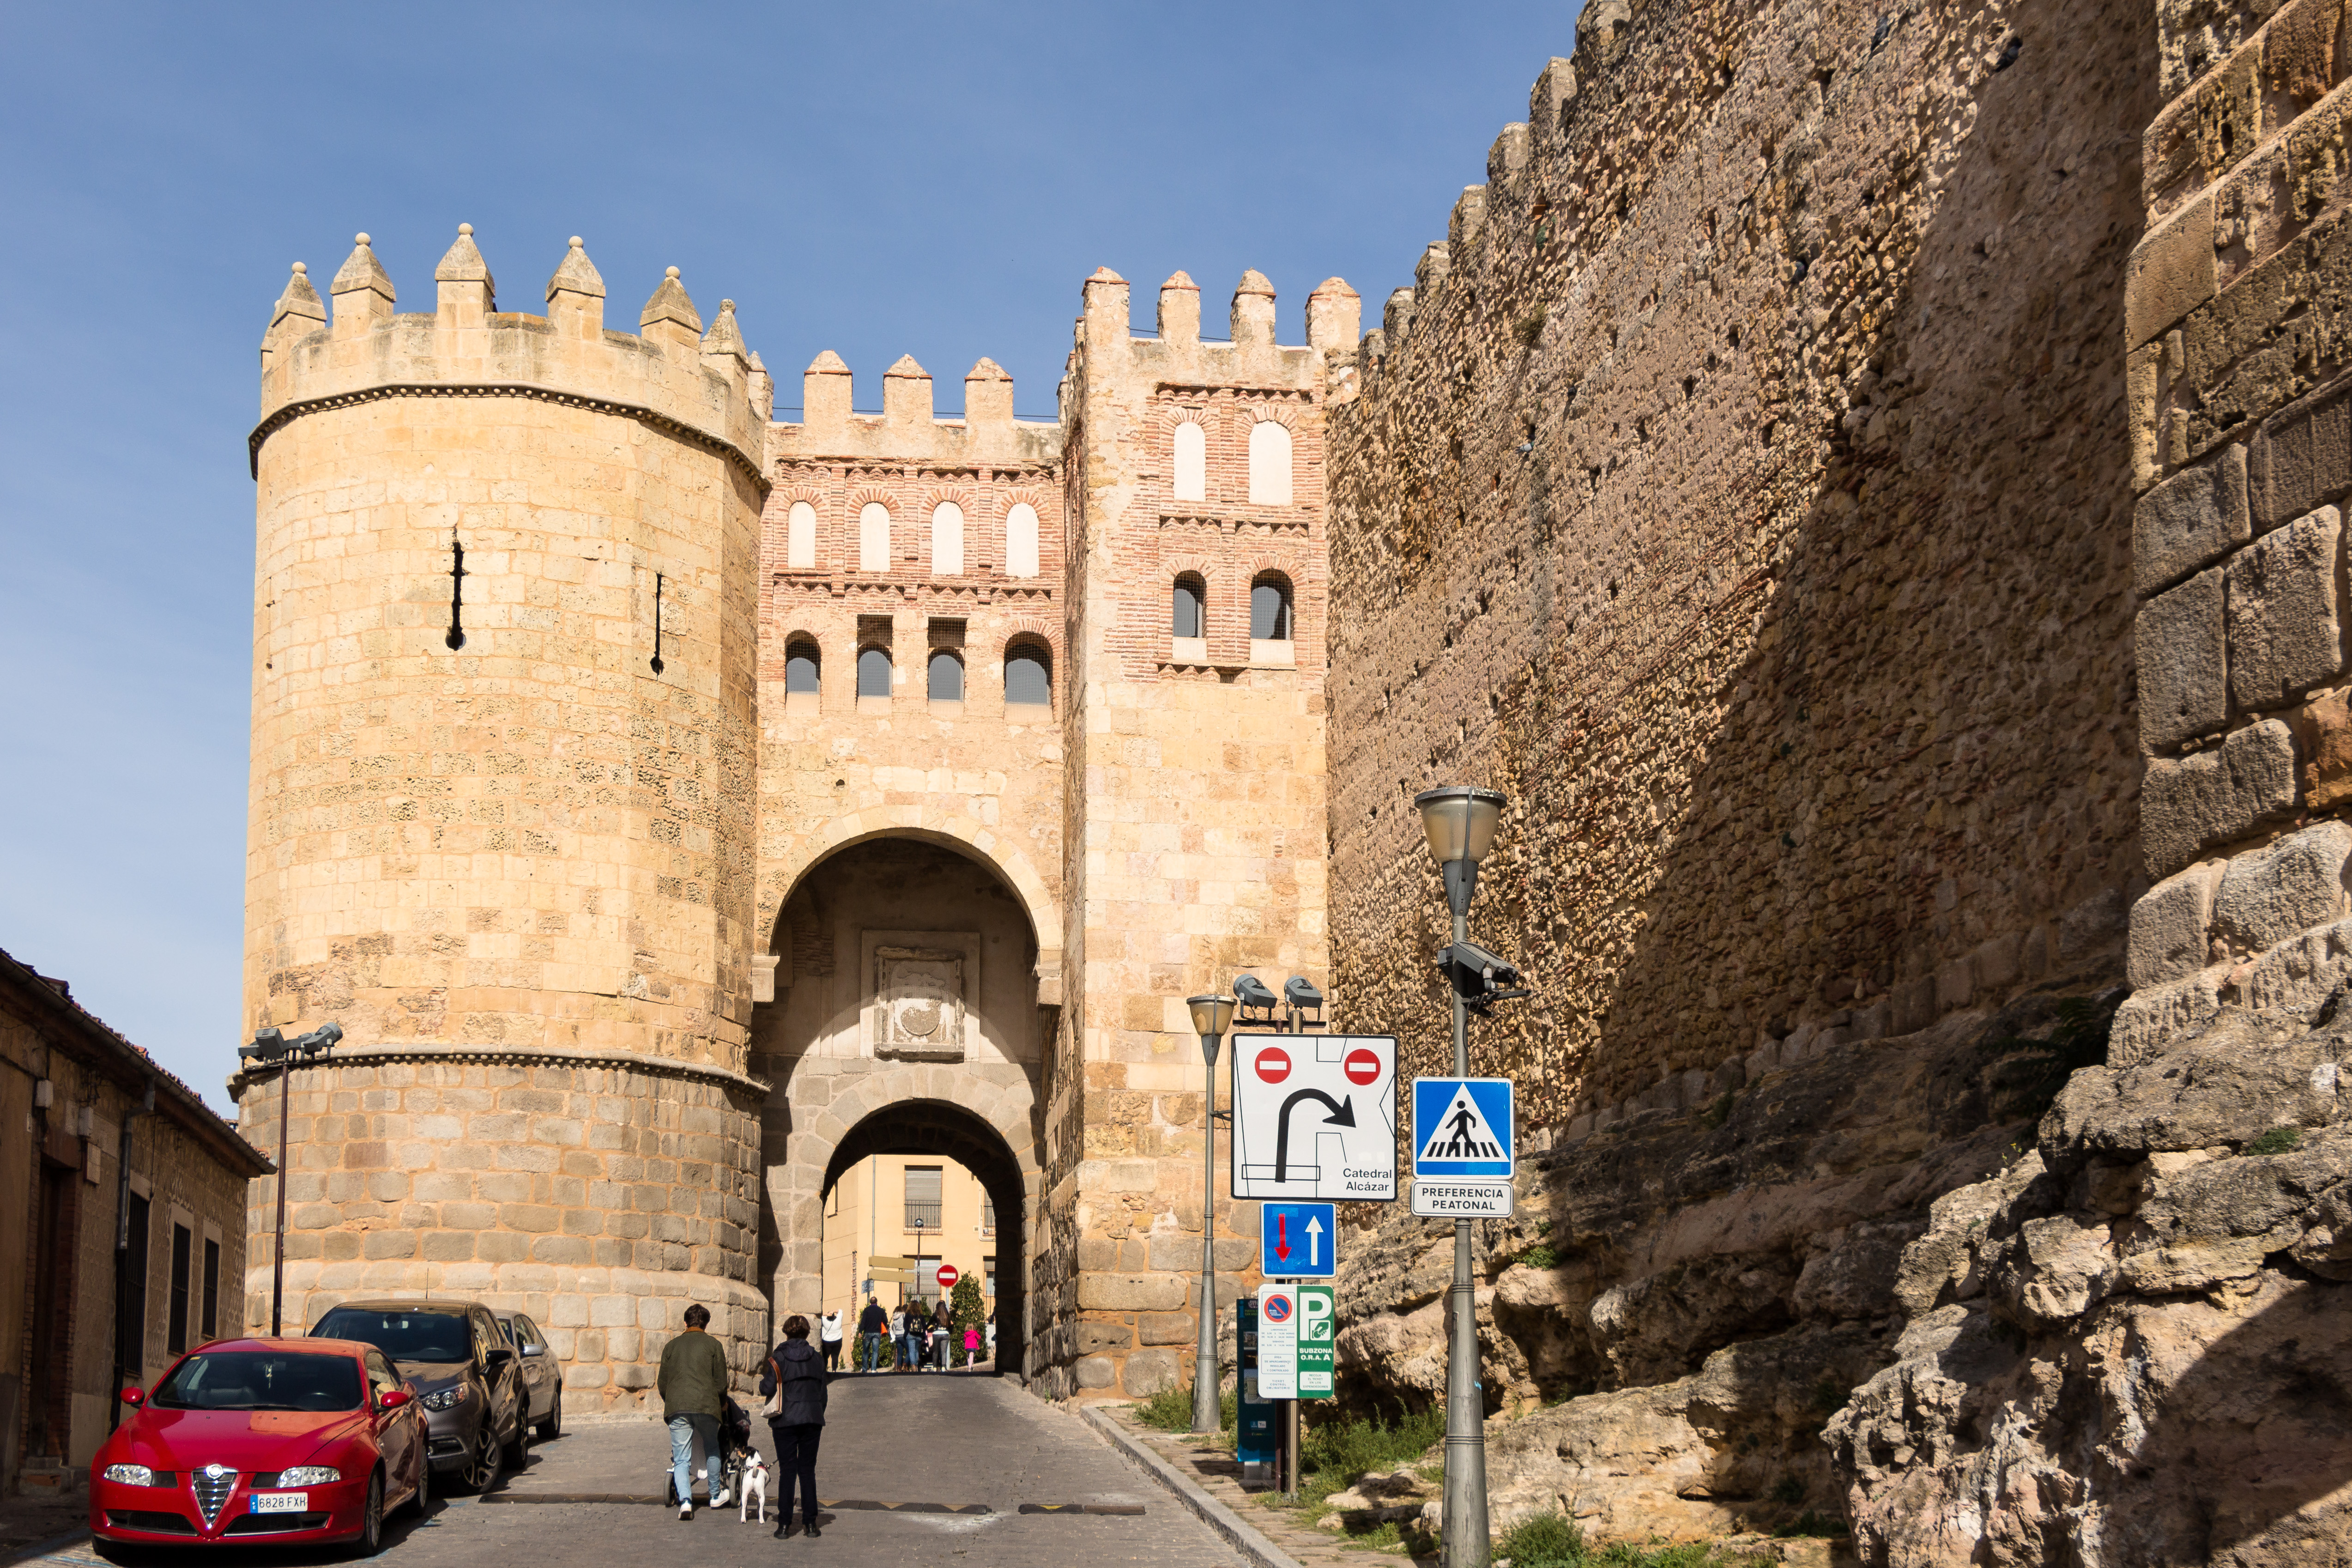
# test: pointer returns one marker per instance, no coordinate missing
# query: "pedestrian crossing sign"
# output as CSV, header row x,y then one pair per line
x,y
1462,1127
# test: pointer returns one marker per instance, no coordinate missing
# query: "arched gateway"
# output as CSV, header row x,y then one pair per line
x,y
905,1021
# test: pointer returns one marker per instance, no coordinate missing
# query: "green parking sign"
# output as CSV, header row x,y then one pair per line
x,y
1318,1340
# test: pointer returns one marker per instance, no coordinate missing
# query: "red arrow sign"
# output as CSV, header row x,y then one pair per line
x,y
1282,1236
949,1276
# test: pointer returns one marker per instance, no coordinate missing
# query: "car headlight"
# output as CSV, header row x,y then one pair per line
x,y
448,1398
130,1474
309,1475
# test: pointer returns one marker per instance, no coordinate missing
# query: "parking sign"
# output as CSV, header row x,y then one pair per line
x,y
1318,1340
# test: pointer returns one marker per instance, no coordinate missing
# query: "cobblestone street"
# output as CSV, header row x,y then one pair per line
x,y
914,1469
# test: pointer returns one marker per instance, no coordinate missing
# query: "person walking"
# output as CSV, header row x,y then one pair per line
x,y
870,1324
828,1331
897,1337
943,1336
971,1344
692,1383
795,1378
918,1337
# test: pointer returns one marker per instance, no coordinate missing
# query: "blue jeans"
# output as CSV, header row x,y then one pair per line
x,y
684,1430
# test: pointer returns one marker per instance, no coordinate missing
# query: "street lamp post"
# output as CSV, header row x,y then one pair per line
x,y
1211,1015
1460,822
270,1046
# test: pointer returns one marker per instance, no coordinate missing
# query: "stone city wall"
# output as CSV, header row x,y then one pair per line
x,y
1745,487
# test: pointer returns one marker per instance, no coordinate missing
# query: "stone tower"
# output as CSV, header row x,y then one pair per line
x,y
503,803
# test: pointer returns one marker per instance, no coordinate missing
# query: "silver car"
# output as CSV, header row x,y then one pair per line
x,y
543,1375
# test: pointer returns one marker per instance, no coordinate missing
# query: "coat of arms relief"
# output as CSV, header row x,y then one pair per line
x,y
919,1003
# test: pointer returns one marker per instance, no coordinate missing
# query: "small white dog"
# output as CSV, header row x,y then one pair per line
x,y
755,1484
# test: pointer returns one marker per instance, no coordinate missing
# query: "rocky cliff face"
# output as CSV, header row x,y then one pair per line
x,y
1685,1299
2133,1346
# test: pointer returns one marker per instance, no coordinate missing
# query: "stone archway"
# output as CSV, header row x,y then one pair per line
x,y
854,1076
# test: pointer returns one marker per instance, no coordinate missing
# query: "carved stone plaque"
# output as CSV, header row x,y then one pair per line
x,y
920,1012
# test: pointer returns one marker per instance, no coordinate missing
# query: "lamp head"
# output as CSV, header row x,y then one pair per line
x,y
1300,993
1459,821
1211,1015
1251,992
269,1045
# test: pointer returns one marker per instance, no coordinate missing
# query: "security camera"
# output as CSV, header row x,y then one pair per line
x,y
1480,977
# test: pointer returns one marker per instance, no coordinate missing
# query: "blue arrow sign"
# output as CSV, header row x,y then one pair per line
x,y
1462,1127
1299,1241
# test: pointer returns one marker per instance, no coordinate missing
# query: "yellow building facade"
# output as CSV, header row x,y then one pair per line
x,y
913,1207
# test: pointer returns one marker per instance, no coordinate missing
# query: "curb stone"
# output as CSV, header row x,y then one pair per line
x,y
1237,1531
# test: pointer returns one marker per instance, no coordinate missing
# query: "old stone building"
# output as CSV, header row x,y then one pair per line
x,y
1865,483
122,1205
677,807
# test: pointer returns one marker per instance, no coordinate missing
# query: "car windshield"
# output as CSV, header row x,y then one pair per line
x,y
401,1335
261,1379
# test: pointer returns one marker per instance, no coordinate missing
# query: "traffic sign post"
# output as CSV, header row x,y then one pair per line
x,y
1299,1241
1278,1341
948,1276
1463,1151
1318,1340
1314,1117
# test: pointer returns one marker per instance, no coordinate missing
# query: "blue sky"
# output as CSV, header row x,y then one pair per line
x,y
879,180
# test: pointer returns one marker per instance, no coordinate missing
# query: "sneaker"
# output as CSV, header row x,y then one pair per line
x,y
721,1498
685,1511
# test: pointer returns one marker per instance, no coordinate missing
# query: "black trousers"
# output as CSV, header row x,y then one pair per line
x,y
832,1356
795,1456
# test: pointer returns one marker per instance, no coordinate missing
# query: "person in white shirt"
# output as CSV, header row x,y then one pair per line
x,y
828,1327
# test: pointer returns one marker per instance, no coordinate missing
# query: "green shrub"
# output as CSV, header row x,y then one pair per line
x,y
1171,1410
1540,1255
1545,1540
2277,1141
1347,1450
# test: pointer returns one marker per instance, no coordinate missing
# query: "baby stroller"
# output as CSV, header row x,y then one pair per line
x,y
734,1452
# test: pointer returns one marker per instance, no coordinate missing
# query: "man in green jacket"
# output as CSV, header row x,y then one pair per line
x,y
693,1388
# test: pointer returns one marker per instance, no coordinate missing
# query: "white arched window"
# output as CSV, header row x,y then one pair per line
x,y
1270,464
1192,463
874,537
800,537
947,539
1020,541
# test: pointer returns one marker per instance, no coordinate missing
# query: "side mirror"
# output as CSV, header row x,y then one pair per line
x,y
391,1399
134,1396
499,1356
534,1350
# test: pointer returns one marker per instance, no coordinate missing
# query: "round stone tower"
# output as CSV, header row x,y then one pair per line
x,y
501,825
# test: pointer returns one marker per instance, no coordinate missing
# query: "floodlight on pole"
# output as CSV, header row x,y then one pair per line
x,y
1459,821
1211,1015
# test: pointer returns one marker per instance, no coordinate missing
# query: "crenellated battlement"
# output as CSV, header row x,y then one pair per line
x,y
703,383
1176,351
907,429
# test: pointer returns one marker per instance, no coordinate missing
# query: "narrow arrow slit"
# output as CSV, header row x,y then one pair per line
x,y
657,620
456,637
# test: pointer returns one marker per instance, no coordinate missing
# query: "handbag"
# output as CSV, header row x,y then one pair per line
x,y
775,1405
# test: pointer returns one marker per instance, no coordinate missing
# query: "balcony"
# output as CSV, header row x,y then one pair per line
x,y
923,1216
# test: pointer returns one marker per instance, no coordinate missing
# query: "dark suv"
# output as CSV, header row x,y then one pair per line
x,y
466,1374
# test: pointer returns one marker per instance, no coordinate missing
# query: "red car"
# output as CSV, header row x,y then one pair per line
x,y
254,1441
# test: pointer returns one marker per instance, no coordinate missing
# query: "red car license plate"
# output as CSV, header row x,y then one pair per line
x,y
280,1502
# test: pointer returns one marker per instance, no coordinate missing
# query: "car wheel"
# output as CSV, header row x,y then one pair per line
x,y
519,1442
370,1540
422,1498
553,1425
482,1471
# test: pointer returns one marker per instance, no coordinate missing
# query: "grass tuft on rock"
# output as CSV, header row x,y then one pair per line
x,y
1553,1541
1171,1410
2277,1141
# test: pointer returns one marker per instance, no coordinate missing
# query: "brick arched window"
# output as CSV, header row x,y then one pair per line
x,y
1189,617
1020,541
804,665
1270,464
800,537
1028,673
873,673
874,538
1191,462
1270,609
947,539
945,675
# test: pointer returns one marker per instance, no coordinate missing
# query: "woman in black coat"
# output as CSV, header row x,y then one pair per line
x,y
796,1370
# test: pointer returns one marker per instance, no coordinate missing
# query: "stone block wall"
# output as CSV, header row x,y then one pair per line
x,y
502,814
1196,836
1726,488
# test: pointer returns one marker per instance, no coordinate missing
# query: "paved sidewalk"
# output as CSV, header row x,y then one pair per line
x,y
928,1468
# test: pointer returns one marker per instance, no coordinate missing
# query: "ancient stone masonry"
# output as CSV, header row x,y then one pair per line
x,y
676,804
503,745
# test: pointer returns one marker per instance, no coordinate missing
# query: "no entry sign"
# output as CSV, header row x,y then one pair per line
x,y
1314,1117
949,1275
